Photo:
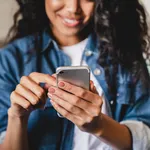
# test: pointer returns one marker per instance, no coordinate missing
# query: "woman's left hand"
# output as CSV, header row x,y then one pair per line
x,y
82,107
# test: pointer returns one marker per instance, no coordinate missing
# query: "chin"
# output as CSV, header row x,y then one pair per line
x,y
70,33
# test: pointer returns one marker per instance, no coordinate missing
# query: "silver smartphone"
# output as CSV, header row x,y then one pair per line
x,y
76,75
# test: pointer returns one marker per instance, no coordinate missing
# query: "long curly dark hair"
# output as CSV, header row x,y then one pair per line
x,y
120,25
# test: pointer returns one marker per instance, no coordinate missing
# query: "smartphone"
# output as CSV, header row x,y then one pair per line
x,y
76,75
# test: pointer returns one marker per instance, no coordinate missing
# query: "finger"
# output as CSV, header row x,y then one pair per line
x,y
21,101
65,113
46,86
69,107
72,99
27,94
43,78
54,75
91,85
28,83
93,88
80,92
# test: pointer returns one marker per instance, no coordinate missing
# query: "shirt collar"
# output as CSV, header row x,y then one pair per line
x,y
92,44
46,39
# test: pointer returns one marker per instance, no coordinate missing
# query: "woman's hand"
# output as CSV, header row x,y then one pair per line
x,y
78,105
29,95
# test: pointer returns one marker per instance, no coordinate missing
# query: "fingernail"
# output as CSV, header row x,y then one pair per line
x,y
51,90
49,95
61,84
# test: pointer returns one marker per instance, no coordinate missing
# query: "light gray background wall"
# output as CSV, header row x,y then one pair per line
x,y
7,10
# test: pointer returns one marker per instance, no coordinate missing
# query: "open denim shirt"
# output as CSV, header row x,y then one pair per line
x,y
45,129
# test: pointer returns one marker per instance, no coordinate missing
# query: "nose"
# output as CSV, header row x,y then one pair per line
x,y
73,6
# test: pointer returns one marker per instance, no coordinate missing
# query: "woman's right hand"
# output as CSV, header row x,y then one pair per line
x,y
29,95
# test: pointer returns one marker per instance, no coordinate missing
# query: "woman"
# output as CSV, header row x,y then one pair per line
x,y
107,35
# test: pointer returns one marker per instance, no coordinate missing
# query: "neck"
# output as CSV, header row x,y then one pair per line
x,y
64,40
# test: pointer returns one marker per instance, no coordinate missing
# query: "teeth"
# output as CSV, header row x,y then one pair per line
x,y
70,21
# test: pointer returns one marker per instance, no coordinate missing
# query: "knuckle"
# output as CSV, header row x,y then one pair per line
x,y
82,124
89,120
91,82
40,93
23,79
61,94
18,87
99,101
77,101
86,121
36,100
54,75
82,93
66,114
97,112
12,95
33,74
47,77
68,87
71,108
27,105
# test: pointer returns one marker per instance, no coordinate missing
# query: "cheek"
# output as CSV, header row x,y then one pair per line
x,y
53,5
88,10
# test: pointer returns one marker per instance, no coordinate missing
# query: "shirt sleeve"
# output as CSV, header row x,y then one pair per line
x,y
8,82
140,134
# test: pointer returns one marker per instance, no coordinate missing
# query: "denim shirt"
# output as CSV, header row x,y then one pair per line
x,y
45,129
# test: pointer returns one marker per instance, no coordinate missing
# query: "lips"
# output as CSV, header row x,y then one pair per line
x,y
71,22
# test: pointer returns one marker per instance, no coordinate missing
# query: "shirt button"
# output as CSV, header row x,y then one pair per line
x,y
111,102
97,72
118,94
88,53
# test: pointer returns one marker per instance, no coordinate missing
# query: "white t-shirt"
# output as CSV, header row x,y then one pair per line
x,y
83,140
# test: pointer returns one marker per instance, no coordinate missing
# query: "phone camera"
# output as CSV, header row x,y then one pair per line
x,y
61,72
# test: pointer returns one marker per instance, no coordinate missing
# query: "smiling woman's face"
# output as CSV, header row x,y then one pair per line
x,y
69,17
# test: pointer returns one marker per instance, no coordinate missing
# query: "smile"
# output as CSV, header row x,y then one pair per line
x,y
71,22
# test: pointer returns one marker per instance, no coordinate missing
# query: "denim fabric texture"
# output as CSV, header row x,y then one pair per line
x,y
46,130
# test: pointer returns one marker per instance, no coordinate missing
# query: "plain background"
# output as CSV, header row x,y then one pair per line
x,y
7,10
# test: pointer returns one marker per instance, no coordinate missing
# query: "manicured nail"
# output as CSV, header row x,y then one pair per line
x,y
61,84
51,90
49,95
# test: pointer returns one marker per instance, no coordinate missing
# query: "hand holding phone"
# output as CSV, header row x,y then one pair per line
x,y
77,104
76,75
